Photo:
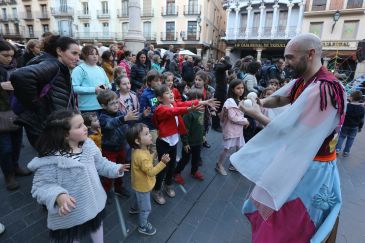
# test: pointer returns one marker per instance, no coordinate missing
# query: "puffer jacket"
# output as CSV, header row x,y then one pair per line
x,y
29,81
138,73
5,95
232,120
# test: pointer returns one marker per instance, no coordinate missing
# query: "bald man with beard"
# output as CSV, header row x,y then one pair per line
x,y
292,162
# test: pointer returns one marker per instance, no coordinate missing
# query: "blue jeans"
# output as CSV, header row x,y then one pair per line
x,y
142,202
350,134
10,145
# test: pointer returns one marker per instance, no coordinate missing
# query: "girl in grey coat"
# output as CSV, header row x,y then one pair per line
x,y
66,178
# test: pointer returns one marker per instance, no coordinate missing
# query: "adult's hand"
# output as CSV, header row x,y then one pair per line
x,y
7,86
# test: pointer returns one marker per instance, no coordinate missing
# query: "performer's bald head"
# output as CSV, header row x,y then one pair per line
x,y
306,42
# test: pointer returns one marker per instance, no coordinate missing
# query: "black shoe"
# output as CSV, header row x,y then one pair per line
x,y
206,144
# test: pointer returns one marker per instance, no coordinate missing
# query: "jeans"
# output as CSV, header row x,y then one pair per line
x,y
10,145
350,134
168,172
142,202
195,154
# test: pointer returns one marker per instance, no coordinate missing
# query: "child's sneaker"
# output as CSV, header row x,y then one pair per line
x,y
197,175
148,229
179,179
220,170
158,197
133,211
346,154
170,191
232,168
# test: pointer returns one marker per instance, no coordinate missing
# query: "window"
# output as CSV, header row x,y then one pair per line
x,y
147,7
104,7
7,29
16,26
283,18
63,6
170,6
243,23
354,3
147,30
86,30
45,28
193,6
192,30
124,7
28,12
256,21
85,8
44,8
5,16
125,27
31,30
319,5
15,13
349,31
268,21
170,30
316,28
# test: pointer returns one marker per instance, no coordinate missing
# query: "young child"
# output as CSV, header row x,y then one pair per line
x,y
232,122
148,100
91,121
201,83
128,100
273,84
168,79
168,121
113,125
143,174
66,178
183,89
354,121
192,141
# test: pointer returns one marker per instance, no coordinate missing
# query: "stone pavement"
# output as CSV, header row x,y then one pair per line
x,y
208,212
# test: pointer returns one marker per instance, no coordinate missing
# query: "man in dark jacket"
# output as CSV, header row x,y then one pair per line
x,y
221,87
174,66
277,71
188,71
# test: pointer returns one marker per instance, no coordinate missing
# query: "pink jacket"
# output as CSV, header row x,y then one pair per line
x,y
126,66
122,105
232,120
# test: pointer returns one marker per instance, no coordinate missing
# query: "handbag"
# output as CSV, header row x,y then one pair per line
x,y
7,119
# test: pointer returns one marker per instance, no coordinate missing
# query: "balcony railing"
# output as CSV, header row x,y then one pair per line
x,y
11,34
147,13
149,36
122,13
169,36
98,35
7,2
83,15
43,15
192,9
103,14
170,10
64,11
28,16
281,32
190,36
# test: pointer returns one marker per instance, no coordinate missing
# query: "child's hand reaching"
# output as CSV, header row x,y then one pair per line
x,y
124,167
214,103
165,158
65,203
196,108
131,116
147,111
187,148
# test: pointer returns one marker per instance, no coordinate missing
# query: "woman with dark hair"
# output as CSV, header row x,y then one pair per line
x,y
125,62
45,84
139,71
88,79
249,79
10,137
107,63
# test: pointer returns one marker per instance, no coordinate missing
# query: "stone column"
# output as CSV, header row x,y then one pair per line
x,y
248,24
274,27
258,57
134,39
261,25
300,19
236,27
290,6
228,34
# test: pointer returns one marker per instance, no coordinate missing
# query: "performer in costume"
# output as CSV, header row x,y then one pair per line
x,y
292,162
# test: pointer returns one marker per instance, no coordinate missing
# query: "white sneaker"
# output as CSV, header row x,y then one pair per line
x,y
2,228
220,169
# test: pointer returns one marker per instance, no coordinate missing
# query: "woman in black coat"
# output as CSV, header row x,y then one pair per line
x,y
139,72
45,84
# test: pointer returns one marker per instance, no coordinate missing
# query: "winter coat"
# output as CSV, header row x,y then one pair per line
x,y
232,120
148,99
5,95
188,74
138,74
60,174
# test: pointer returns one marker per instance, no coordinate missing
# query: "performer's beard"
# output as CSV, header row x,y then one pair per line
x,y
300,68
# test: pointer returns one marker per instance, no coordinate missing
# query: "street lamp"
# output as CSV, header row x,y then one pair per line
x,y
336,17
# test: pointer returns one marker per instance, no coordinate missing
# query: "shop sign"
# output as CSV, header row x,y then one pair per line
x,y
259,45
339,45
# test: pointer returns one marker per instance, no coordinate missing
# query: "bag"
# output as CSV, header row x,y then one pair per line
x,y
7,119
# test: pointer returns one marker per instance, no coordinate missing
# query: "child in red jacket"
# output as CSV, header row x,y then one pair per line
x,y
169,123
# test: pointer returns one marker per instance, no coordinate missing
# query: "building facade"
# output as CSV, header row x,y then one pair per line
x,y
261,28
338,24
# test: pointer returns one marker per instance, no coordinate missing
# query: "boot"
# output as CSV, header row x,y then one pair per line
x,y
11,183
22,171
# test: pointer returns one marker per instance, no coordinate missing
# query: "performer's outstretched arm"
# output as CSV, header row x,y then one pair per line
x,y
274,101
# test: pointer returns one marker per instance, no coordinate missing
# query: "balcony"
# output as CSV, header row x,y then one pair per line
x,y
354,4
192,9
96,35
14,18
147,13
169,36
149,36
11,34
7,2
28,16
64,11
4,19
103,14
83,15
43,15
190,36
171,10
122,13
253,33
